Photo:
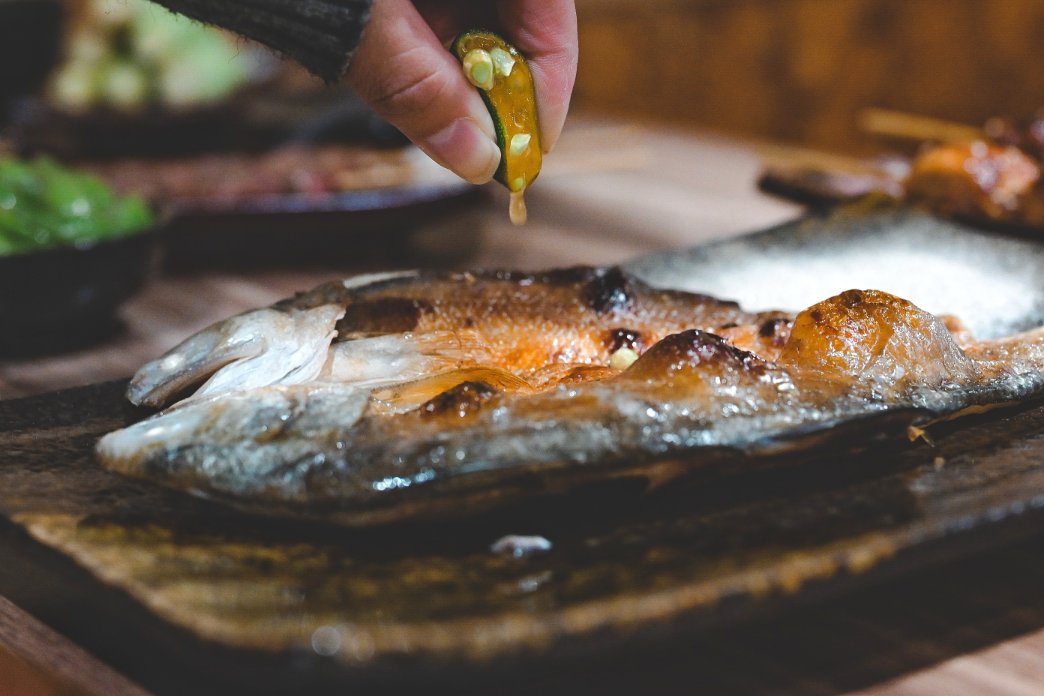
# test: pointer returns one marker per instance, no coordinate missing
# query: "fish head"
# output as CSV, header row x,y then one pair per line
x,y
255,349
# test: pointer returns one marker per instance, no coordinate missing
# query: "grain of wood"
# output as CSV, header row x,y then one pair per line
x,y
801,70
1012,668
36,661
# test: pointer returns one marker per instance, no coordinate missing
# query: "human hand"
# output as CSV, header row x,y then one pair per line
x,y
404,72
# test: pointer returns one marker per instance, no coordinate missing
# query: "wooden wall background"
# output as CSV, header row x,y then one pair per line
x,y
801,70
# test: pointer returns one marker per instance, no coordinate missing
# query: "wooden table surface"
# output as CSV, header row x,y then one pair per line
x,y
609,193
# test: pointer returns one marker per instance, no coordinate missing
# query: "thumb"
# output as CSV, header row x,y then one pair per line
x,y
404,73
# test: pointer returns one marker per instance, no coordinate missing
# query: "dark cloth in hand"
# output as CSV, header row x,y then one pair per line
x,y
319,34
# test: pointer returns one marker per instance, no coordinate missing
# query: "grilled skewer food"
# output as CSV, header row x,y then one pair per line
x,y
404,395
978,179
988,174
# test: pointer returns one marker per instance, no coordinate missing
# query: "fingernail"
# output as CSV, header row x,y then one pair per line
x,y
548,145
464,148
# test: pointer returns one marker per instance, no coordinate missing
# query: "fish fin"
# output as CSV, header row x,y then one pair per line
x,y
379,360
254,349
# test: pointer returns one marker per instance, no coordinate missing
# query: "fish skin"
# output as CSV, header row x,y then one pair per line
x,y
880,340
528,321
326,450
522,322
247,443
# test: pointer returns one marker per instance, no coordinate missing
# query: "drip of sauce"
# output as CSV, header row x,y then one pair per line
x,y
517,207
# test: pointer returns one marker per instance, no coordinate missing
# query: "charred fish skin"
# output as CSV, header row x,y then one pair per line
x,y
878,340
524,322
518,316
884,349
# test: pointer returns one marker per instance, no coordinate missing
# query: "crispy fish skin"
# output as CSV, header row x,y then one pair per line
x,y
877,339
519,322
329,449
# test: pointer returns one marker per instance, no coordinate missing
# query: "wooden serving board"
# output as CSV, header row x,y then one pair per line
x,y
354,603
157,580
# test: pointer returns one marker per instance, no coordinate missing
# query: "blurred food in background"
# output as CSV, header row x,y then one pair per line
x,y
128,55
71,251
133,79
173,109
292,169
186,116
45,205
990,174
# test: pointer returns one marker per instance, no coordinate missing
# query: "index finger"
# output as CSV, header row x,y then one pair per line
x,y
545,32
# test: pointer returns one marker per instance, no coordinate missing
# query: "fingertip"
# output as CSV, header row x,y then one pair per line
x,y
553,82
465,149
407,76
546,32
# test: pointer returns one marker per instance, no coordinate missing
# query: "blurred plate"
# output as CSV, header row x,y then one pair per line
x,y
296,204
425,188
880,180
346,230
404,198
990,280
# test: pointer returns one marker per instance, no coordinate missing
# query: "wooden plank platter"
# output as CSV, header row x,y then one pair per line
x,y
158,580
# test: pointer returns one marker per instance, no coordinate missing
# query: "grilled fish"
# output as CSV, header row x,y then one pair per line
x,y
398,326
391,397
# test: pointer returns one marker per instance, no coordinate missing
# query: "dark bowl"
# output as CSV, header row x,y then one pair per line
x,y
66,297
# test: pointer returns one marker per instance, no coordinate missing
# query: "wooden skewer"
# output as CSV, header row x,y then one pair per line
x,y
775,155
904,126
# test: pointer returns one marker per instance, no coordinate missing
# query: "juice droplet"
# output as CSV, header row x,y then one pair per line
x,y
517,207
